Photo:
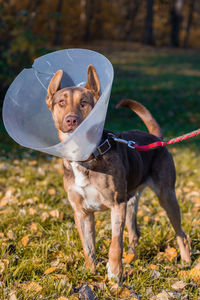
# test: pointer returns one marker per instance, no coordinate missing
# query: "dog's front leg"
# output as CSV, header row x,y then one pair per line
x,y
86,228
114,265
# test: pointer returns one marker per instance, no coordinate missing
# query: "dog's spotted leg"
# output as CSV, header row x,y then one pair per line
x,y
85,225
131,223
114,265
86,228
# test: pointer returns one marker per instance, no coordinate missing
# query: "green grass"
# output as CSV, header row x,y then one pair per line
x,y
37,229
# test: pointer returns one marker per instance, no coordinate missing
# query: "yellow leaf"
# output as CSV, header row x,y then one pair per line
x,y
33,227
170,253
33,162
6,262
129,258
153,267
50,270
51,191
25,240
32,286
98,223
4,211
125,293
32,211
146,219
74,297
62,298
54,213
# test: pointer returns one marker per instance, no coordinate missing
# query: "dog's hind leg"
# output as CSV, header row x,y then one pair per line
x,y
169,202
114,265
163,184
131,220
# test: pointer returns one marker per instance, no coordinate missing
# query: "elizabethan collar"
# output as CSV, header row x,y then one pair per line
x,y
27,118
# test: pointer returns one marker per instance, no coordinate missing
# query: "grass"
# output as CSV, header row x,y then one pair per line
x,y
41,255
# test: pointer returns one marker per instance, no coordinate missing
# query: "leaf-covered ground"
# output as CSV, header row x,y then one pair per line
x,y
41,255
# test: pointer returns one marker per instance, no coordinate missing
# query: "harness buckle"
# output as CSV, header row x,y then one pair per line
x,y
103,148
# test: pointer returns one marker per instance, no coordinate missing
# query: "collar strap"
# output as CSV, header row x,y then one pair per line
x,y
103,148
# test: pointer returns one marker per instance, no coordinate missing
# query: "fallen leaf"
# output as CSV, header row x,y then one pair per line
x,y
32,286
129,258
54,213
153,267
125,293
33,163
155,274
50,270
86,293
12,296
62,298
51,191
25,240
32,211
170,254
179,285
4,211
45,215
11,235
2,235
2,266
33,227
146,219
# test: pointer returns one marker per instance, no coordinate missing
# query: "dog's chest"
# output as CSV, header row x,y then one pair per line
x,y
92,197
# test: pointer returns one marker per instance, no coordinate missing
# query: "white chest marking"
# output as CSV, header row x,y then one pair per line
x,y
92,198
80,178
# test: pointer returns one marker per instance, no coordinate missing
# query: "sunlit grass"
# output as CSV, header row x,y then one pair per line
x,y
41,255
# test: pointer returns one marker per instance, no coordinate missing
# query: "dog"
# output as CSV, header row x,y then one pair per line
x,y
116,179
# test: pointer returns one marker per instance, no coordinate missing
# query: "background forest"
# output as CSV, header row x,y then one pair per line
x,y
31,28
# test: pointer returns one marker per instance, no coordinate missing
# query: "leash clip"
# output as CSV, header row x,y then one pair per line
x,y
131,144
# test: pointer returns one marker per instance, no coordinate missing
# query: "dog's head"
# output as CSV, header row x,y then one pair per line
x,y
70,106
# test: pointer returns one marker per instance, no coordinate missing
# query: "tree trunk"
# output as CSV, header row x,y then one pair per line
x,y
176,20
149,35
58,31
189,22
131,12
86,17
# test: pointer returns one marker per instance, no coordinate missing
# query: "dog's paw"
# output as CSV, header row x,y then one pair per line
x,y
111,275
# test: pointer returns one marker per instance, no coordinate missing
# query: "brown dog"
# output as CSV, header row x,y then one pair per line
x,y
116,179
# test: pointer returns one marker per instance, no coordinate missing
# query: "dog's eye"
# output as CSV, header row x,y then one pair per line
x,y
62,103
83,104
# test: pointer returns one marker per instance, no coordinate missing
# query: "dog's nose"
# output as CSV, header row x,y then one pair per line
x,y
72,121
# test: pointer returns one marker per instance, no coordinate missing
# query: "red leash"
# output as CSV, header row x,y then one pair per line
x,y
172,141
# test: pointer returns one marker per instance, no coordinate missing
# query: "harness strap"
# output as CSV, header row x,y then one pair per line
x,y
112,139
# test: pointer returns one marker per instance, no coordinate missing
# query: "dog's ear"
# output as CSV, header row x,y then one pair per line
x,y
93,83
53,87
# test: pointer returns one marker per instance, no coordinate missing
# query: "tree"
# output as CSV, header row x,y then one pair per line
x,y
58,30
176,20
86,17
189,22
149,34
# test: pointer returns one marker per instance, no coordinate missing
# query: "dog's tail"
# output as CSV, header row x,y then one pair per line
x,y
144,114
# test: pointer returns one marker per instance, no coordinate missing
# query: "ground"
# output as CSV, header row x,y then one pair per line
x,y
40,251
